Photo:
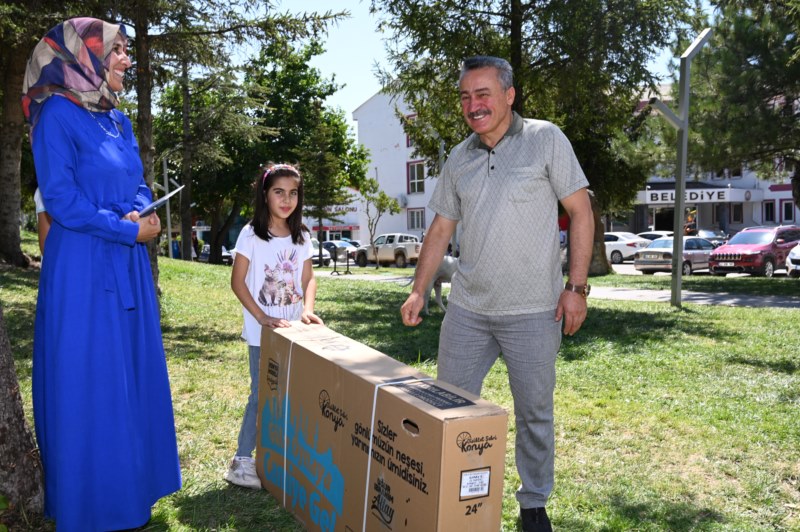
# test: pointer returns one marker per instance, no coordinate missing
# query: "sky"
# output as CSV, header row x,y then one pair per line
x,y
354,46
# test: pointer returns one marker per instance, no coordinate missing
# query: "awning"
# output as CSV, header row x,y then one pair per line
x,y
336,228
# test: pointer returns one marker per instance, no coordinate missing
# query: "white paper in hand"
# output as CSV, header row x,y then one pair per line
x,y
150,209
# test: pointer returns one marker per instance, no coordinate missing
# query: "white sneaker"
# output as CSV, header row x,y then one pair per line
x,y
242,472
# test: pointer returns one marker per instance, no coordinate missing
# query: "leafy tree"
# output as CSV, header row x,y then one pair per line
x,y
331,161
223,134
376,203
199,37
22,24
745,90
290,92
161,27
581,65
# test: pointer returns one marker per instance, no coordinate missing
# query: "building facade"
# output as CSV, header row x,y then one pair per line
x,y
729,201
399,173
725,202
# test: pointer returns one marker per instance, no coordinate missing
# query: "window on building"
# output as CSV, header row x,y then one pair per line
x,y
787,206
769,211
416,177
416,219
737,213
410,118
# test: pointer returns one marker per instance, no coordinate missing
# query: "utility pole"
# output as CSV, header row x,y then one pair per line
x,y
681,123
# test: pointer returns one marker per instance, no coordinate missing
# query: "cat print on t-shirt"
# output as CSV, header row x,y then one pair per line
x,y
279,281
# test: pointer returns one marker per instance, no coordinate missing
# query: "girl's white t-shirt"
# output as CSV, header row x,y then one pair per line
x,y
38,201
274,277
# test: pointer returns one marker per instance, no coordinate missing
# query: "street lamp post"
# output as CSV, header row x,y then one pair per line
x,y
681,123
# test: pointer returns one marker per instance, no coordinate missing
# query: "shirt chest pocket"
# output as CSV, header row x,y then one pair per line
x,y
524,185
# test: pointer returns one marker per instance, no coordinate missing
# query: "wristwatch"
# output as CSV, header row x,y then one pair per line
x,y
582,289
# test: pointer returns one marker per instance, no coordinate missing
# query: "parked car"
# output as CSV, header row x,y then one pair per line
x,y
205,253
793,262
657,257
755,250
715,236
400,249
339,249
653,235
622,245
326,257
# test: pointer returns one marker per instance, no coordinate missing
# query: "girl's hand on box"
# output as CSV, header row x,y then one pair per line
x,y
310,317
273,323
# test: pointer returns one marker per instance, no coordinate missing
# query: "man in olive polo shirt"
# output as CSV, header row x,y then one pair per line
x,y
504,183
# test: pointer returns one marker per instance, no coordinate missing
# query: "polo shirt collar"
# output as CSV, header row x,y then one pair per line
x,y
514,129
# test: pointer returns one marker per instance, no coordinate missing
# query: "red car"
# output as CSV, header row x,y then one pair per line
x,y
755,250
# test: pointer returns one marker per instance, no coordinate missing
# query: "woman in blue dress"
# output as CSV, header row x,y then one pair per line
x,y
101,398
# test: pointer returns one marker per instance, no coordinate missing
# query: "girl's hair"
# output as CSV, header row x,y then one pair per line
x,y
261,217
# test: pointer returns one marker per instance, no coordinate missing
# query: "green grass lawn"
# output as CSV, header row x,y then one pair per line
x,y
666,419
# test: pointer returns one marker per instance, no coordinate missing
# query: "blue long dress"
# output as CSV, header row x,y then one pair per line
x,y
101,398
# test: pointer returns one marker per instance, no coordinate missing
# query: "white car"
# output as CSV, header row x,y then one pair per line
x,y
654,235
326,257
622,245
793,262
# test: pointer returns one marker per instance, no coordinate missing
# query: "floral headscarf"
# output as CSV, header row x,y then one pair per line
x,y
71,61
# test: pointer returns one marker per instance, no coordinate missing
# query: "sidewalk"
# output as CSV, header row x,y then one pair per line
x,y
699,298
632,294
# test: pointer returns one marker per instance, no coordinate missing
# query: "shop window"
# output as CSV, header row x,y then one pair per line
x,y
737,213
769,211
787,206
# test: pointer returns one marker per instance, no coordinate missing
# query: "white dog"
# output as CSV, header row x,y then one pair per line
x,y
443,275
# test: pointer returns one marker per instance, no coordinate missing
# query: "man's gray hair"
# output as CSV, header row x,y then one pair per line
x,y
504,71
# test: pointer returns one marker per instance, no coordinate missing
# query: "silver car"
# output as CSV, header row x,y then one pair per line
x,y
657,257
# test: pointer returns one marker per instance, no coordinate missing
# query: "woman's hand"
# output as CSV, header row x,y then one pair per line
x,y
149,226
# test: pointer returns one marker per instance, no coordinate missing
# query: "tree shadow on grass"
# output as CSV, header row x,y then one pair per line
x,y
233,508
19,316
195,341
658,515
627,327
370,313
784,365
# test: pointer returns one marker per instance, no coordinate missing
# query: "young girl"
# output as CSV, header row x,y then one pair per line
x,y
273,278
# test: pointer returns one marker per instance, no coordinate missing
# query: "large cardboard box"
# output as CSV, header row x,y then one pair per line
x,y
351,439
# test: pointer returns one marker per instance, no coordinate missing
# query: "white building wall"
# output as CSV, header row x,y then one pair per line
x,y
380,131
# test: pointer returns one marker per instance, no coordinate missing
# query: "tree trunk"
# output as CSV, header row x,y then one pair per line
x,y
219,228
144,116
12,128
599,264
186,167
515,37
20,467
